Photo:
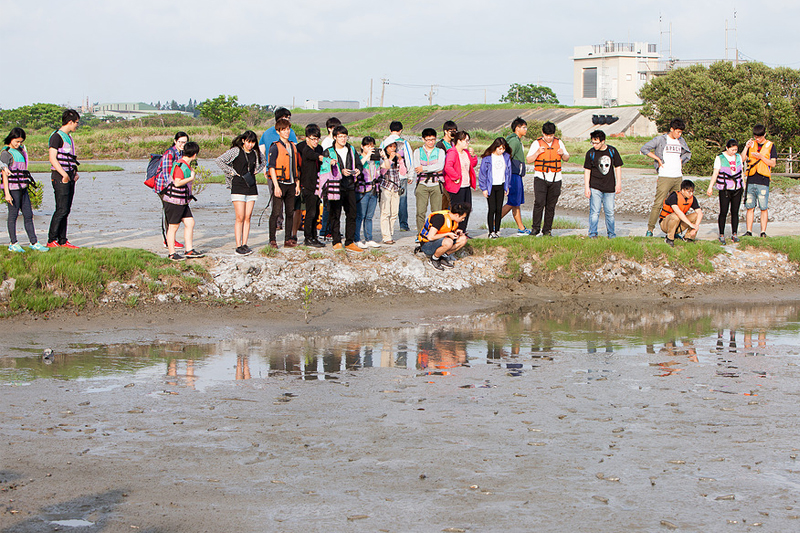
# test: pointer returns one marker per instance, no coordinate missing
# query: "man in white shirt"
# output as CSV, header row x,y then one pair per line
x,y
670,152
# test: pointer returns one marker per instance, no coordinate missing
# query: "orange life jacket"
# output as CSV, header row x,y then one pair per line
x,y
683,204
550,159
757,165
283,164
448,226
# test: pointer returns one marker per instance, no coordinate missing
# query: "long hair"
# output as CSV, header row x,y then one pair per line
x,y
250,136
500,141
16,133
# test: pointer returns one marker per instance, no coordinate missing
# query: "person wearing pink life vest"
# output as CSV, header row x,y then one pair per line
x,y
64,176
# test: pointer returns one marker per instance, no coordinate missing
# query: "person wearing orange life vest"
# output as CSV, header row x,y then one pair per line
x,y
284,171
440,235
761,156
546,154
675,214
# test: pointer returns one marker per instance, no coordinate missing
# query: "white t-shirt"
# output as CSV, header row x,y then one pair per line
x,y
342,154
326,142
672,167
498,169
465,164
551,176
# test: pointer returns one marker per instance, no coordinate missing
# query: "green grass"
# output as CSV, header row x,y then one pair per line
x,y
85,167
268,251
59,278
784,245
558,223
578,253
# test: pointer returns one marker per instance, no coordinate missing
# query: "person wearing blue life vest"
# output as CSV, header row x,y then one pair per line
x,y
16,180
63,175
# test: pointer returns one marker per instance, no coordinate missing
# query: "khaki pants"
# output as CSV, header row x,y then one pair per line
x,y
672,224
427,195
390,205
664,186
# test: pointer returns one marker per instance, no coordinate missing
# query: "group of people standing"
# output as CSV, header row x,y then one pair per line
x,y
311,182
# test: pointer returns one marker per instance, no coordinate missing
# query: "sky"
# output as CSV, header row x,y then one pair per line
x,y
282,53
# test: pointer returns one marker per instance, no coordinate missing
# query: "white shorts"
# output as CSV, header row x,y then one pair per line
x,y
243,197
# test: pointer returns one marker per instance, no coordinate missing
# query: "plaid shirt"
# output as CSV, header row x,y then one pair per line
x,y
391,179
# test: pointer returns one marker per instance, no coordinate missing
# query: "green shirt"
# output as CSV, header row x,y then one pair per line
x,y
517,150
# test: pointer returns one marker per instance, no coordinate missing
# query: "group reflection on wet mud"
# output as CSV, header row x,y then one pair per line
x,y
526,336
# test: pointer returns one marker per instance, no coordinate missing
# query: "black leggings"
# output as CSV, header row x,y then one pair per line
x,y
495,215
463,196
732,198
22,202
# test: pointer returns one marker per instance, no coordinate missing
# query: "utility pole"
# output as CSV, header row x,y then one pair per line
x,y
430,94
370,92
484,96
384,83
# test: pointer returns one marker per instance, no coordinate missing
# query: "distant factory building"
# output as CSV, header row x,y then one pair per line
x,y
611,74
332,104
129,110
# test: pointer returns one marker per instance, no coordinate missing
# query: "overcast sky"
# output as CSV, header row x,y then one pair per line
x,y
270,52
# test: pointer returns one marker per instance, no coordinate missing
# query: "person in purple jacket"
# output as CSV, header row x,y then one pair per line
x,y
494,177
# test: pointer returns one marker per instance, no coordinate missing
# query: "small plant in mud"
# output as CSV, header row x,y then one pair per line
x,y
306,294
132,301
268,251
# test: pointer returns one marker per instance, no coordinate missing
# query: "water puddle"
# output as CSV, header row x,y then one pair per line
x,y
604,341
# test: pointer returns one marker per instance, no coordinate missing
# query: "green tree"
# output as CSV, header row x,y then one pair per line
x,y
223,109
529,94
33,117
724,101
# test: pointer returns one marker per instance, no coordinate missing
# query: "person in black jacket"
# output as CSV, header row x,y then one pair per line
x,y
310,157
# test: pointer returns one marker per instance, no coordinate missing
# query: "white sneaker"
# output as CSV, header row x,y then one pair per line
x,y
362,244
373,244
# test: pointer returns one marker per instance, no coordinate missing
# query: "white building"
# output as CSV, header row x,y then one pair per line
x,y
611,74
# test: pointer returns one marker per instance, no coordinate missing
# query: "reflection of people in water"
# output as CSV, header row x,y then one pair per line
x,y
172,371
731,341
762,340
242,367
443,352
672,350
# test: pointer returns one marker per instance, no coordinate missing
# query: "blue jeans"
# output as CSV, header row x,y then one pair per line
x,y
402,216
607,200
365,211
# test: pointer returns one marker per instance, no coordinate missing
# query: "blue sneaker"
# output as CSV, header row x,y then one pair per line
x,y
648,234
524,231
39,247
16,248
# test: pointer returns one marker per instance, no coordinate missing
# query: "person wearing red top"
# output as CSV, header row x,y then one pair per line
x,y
459,173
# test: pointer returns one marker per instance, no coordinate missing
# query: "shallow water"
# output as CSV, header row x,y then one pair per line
x,y
521,342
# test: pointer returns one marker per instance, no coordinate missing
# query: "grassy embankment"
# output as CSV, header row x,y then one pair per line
x,y
75,278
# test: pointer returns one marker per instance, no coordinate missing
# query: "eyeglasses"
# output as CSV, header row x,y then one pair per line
x,y
596,142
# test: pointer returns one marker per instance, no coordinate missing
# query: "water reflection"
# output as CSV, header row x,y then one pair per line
x,y
522,339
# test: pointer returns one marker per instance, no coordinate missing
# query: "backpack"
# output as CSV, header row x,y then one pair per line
x,y
153,169
611,152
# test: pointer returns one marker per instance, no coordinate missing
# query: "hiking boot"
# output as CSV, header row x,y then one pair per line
x,y
669,241
763,234
445,261
16,248
194,254
175,257
721,238
177,244
648,234
734,238
747,234
437,263
39,247
353,247
338,246
69,245
53,244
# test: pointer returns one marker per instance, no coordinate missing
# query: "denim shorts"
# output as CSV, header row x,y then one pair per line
x,y
756,194
429,248
244,197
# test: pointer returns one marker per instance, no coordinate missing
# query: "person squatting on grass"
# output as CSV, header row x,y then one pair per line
x,y
546,154
393,184
494,178
727,178
429,167
168,159
310,158
341,165
516,191
16,179
284,171
602,181
367,192
675,216
63,175
459,174
441,236
240,164
670,152
761,156
176,198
